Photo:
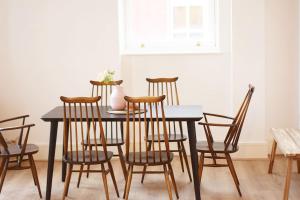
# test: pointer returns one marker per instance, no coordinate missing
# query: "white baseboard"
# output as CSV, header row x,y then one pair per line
x,y
246,151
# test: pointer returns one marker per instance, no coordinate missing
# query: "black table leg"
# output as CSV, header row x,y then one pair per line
x,y
64,164
194,158
51,156
63,169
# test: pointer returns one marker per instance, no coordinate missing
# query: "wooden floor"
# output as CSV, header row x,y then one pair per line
x,y
217,183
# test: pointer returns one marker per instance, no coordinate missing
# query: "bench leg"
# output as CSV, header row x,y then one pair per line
x,y
274,146
298,166
288,179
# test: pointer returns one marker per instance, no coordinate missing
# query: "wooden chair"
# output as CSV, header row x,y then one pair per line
x,y
168,87
222,150
148,111
82,117
13,155
113,130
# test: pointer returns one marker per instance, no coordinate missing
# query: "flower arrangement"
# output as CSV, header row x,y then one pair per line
x,y
107,76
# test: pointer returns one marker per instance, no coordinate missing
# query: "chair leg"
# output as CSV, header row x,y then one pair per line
x,y
145,166
4,173
144,173
272,157
67,182
113,177
128,183
168,182
200,166
173,180
79,176
186,161
233,173
3,161
298,166
88,166
105,181
122,161
180,151
88,171
35,174
288,179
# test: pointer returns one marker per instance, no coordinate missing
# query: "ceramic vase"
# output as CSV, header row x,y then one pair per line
x,y
117,101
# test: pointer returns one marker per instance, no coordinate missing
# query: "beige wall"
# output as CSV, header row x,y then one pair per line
x,y
51,48
282,66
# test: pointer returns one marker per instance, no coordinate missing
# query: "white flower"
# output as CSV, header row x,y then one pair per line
x,y
106,76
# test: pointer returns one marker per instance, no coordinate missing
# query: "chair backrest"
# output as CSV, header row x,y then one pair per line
x,y
22,140
164,86
113,130
234,132
82,119
151,111
167,87
104,89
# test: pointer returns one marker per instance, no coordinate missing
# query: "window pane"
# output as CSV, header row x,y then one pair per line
x,y
179,17
158,25
196,17
147,20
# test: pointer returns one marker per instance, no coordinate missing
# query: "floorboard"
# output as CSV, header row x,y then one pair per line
x,y
217,183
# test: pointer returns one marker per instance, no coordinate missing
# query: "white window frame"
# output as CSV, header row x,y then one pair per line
x,y
178,47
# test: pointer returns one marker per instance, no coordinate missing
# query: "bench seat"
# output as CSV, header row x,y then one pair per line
x,y
288,141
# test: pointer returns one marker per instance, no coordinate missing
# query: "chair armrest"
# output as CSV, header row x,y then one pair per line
x,y
14,118
217,115
16,127
214,124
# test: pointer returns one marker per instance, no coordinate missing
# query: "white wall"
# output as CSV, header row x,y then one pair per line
x,y
282,65
248,66
52,48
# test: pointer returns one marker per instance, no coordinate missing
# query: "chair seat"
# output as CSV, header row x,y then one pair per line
x,y
87,158
109,142
15,150
218,147
152,160
172,138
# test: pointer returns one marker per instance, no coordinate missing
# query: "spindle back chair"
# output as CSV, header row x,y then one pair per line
x,y
82,119
147,119
104,89
168,87
113,130
230,143
13,155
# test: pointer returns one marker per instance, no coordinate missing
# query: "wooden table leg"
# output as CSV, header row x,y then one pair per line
x,y
288,179
193,152
298,166
272,157
51,156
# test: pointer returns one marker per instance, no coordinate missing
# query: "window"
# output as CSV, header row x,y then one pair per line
x,y
168,26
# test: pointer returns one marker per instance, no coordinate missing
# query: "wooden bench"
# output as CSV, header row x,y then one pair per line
x,y
288,141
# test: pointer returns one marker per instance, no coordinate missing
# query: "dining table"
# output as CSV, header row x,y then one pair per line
x,y
188,114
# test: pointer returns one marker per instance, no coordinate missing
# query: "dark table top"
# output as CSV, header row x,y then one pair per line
x,y
172,113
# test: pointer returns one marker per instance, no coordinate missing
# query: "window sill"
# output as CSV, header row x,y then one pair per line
x,y
170,52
